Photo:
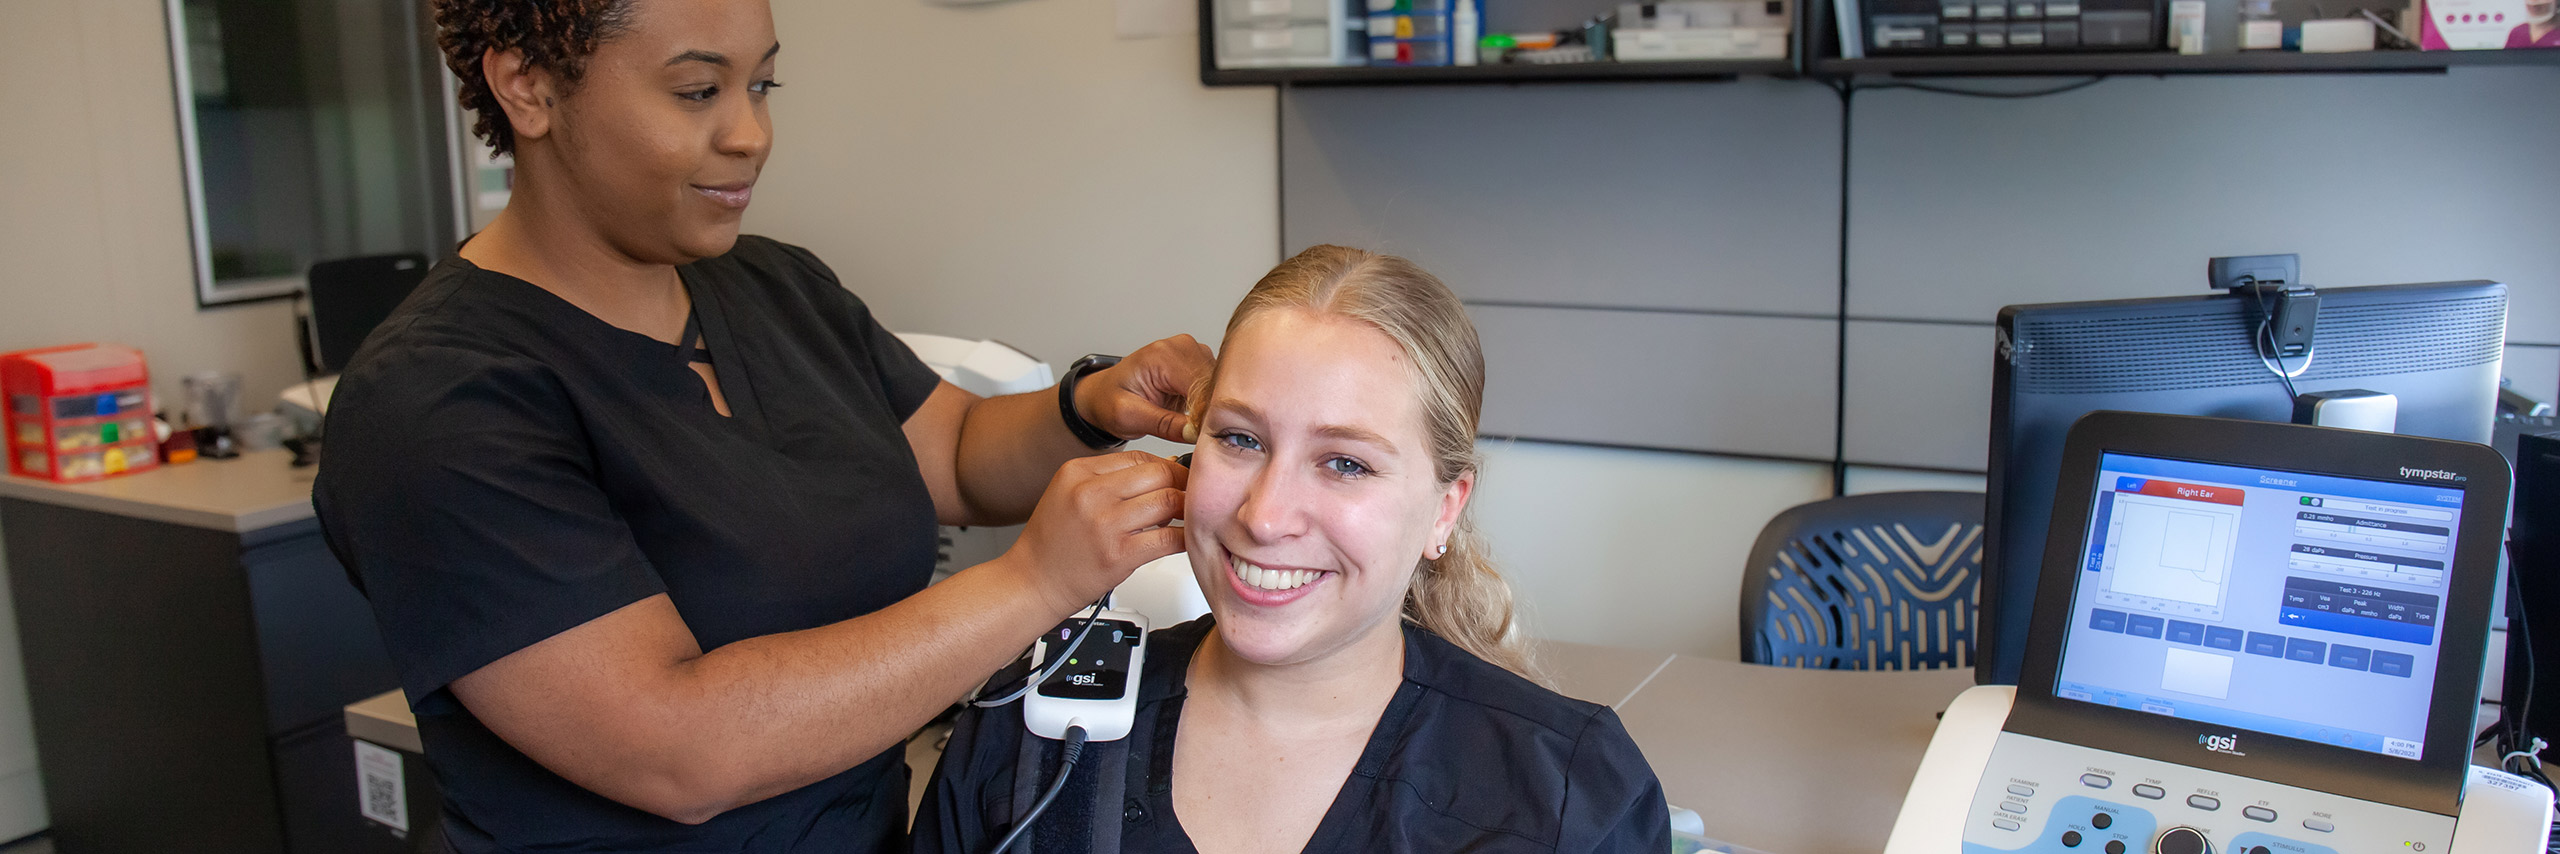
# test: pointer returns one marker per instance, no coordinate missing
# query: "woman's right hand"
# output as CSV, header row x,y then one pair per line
x,y
1099,520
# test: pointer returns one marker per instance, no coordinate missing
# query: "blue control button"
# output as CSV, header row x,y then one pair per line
x,y
2222,638
2096,781
2181,631
2349,657
2104,620
2144,626
2392,663
2261,643
2305,650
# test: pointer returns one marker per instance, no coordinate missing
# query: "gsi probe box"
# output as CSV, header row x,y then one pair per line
x,y
2251,638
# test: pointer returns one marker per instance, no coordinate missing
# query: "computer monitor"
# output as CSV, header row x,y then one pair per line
x,y
2438,347
2303,606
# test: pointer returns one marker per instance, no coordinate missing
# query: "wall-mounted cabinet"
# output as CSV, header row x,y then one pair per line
x,y
1814,52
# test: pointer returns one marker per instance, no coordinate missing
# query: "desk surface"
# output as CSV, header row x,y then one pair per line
x,y
1785,760
254,491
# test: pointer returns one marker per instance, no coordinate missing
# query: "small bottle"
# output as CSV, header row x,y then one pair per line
x,y
1464,28
2260,29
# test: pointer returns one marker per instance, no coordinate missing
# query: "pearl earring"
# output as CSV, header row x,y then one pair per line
x,y
1444,551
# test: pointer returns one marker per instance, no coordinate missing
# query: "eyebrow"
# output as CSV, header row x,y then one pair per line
x,y
716,57
1341,432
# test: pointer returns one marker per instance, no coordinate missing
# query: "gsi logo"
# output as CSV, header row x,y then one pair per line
x,y
1084,679
2221,743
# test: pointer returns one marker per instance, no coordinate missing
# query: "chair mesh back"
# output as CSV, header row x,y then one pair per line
x,y
1884,581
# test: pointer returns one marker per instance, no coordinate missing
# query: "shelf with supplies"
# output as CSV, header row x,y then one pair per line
x,y
2161,63
1810,33
1825,60
1362,75
1399,42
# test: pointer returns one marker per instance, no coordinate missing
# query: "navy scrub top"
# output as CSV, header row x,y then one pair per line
x,y
1467,757
503,466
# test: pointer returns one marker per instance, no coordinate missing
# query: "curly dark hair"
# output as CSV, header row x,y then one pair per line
x,y
556,35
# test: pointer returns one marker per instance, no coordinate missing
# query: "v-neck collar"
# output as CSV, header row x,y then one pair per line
x,y
737,381
1341,816
737,376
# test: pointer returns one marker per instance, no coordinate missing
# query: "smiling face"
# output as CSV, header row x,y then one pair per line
x,y
2539,11
660,143
1312,495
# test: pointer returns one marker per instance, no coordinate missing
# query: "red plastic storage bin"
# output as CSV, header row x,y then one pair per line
x,y
77,413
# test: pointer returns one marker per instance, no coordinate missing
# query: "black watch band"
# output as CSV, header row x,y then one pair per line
x,y
1092,436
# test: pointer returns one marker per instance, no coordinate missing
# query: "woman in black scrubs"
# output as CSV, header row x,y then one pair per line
x,y
646,509
1358,685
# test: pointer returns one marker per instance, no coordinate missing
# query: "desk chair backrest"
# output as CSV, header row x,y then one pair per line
x,y
351,296
1884,581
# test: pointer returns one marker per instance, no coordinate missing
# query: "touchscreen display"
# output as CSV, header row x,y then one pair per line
x,y
2285,603
1099,668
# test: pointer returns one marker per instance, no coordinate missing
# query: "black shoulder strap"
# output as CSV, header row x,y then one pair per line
x,y
1088,808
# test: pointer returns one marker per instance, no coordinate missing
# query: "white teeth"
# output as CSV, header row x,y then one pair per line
x,y
1274,579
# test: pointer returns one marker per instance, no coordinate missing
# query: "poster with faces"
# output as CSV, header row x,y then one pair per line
x,y
2485,24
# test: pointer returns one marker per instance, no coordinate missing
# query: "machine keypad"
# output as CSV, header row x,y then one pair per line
x,y
2146,790
2097,781
2203,803
2258,813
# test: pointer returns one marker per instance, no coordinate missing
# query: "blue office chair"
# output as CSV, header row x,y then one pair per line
x,y
1884,581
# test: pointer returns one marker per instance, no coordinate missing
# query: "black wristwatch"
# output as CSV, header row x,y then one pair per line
x,y
1092,436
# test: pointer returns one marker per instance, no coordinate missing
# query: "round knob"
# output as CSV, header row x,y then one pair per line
x,y
2181,840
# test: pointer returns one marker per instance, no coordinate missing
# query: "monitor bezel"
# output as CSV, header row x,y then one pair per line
x,y
2432,783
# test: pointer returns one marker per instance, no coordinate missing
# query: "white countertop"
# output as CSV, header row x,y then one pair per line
x,y
254,491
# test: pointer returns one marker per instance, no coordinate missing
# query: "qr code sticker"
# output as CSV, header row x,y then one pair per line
x,y
379,788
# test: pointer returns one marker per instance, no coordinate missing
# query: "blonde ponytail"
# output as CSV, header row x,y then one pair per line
x,y
1459,595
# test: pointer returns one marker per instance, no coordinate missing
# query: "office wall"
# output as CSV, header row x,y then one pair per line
x,y
94,226
1017,171
1662,258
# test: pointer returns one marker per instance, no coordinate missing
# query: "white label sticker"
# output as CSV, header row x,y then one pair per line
x,y
1266,8
1274,39
379,788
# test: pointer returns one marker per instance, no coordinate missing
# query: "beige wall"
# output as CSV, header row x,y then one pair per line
x,y
93,215
1016,171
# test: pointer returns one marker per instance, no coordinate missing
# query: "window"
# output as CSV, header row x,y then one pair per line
x,y
311,130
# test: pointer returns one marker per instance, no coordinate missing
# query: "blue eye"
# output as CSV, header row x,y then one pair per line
x,y
1347,467
1240,441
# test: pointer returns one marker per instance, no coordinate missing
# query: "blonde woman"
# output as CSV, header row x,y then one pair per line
x,y
1356,686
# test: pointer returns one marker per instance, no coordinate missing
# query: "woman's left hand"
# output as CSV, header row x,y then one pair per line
x,y
1148,393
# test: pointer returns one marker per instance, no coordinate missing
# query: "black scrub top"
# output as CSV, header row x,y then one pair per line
x,y
503,466
1467,757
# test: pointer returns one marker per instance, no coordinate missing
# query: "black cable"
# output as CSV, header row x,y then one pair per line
x,y
1979,93
2267,337
1074,750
